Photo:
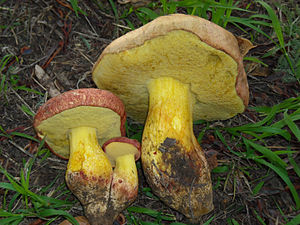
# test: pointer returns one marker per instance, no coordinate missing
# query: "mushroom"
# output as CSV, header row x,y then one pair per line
x,y
123,152
74,125
173,70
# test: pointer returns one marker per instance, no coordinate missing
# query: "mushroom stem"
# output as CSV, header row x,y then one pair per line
x,y
173,161
125,183
89,173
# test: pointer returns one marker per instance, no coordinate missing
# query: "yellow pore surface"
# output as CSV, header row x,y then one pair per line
x,y
56,129
117,149
209,73
86,154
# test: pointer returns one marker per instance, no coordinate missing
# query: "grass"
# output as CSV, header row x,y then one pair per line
x,y
25,203
221,13
248,142
8,78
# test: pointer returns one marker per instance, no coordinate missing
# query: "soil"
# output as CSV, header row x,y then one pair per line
x,y
50,35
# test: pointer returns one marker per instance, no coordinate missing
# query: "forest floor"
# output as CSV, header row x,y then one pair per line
x,y
52,50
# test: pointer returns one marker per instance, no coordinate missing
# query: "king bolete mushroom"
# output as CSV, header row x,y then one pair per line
x,y
173,70
74,125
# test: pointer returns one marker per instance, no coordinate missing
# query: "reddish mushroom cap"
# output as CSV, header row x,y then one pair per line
x,y
133,146
83,104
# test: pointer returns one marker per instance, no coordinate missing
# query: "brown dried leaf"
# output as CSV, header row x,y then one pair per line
x,y
211,157
46,81
261,72
245,45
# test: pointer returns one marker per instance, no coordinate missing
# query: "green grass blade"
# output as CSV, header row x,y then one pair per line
x,y
209,220
277,28
12,201
24,88
284,176
20,189
24,136
257,188
294,221
7,186
256,60
222,139
15,185
293,127
220,169
149,13
275,22
294,164
4,61
115,11
217,13
27,110
267,153
2,83
234,222
151,212
11,220
74,4
228,13
259,218
54,212
248,23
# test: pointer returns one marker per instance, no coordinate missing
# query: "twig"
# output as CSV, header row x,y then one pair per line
x,y
91,25
252,121
82,78
121,26
92,37
22,100
20,148
87,58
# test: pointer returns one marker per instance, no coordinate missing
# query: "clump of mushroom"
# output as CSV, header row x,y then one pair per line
x,y
173,70
74,125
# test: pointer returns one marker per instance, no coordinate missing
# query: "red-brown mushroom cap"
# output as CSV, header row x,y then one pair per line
x,y
119,146
89,107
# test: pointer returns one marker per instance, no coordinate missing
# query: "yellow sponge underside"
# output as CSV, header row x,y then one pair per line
x,y
210,74
56,129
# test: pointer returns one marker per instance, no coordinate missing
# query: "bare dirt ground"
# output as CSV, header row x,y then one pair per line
x,y
48,34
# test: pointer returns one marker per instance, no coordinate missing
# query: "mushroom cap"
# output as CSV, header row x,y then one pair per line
x,y
88,107
188,48
119,146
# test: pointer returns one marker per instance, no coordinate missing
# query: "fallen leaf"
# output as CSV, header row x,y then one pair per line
x,y
245,45
211,157
46,81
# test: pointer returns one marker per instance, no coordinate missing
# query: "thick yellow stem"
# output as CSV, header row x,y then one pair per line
x,y
89,174
173,161
86,155
170,112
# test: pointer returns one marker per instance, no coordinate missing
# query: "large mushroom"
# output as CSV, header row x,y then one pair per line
x,y
173,70
74,125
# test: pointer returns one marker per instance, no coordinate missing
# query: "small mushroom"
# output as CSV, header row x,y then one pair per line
x,y
74,125
173,70
123,152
